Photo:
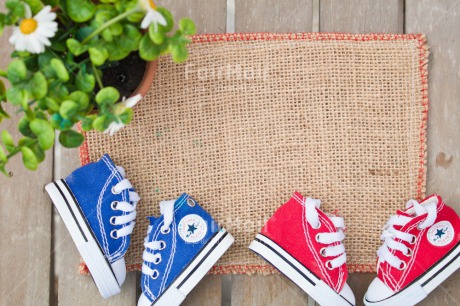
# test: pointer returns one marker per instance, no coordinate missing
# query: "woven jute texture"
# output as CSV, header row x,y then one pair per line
x,y
250,118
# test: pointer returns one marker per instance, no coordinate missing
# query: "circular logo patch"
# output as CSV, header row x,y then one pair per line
x,y
441,233
192,228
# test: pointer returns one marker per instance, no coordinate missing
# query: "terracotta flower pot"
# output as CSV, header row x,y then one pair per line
x,y
147,79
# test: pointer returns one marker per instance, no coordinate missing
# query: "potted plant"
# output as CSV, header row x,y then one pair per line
x,y
71,63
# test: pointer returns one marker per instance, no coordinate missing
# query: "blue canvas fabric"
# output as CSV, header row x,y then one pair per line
x,y
92,187
178,253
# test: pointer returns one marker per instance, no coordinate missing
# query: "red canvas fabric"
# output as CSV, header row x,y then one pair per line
x,y
424,253
289,228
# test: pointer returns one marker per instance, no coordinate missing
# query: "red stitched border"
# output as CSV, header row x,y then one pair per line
x,y
421,181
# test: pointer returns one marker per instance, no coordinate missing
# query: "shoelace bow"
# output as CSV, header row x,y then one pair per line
x,y
149,255
127,220
390,233
328,238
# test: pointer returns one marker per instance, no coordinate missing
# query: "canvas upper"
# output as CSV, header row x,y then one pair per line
x,y
191,228
93,187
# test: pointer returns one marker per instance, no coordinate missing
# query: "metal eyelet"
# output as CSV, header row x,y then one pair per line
x,y
329,265
323,252
162,245
414,239
114,191
114,205
112,220
191,202
317,238
409,252
113,234
157,261
402,266
155,274
318,226
165,231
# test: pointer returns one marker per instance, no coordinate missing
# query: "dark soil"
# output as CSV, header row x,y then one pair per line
x,y
125,75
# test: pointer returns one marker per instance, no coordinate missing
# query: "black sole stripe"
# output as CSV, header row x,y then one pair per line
x,y
87,225
203,259
207,243
442,269
287,261
71,211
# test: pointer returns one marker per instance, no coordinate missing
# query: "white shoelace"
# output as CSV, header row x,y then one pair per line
x,y
128,207
167,210
390,233
327,238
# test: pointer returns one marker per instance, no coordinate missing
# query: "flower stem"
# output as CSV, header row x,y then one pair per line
x,y
96,75
109,23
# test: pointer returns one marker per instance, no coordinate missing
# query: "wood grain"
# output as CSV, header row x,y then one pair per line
x,y
438,19
25,222
76,289
362,16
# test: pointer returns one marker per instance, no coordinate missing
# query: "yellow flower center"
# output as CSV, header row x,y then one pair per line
x,y
28,26
152,4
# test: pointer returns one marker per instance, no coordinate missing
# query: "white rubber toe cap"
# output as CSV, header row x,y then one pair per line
x,y
119,268
348,294
377,291
144,301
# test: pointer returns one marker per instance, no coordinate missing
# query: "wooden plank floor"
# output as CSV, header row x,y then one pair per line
x,y
38,260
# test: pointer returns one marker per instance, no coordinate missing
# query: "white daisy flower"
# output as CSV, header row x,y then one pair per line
x,y
153,16
33,33
126,103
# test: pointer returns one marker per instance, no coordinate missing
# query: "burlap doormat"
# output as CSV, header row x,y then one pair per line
x,y
250,118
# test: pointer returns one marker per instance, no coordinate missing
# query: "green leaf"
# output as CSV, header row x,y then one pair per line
x,y
39,86
3,157
16,71
80,11
169,20
75,47
179,53
16,7
3,114
7,140
71,139
98,56
116,29
60,69
87,123
38,151
156,36
126,116
100,123
107,35
35,5
44,131
51,104
29,159
16,96
68,109
80,98
85,82
2,88
24,127
107,95
187,26
148,50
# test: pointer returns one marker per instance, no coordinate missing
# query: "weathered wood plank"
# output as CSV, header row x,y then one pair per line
x,y
25,225
273,16
440,21
75,289
270,16
362,16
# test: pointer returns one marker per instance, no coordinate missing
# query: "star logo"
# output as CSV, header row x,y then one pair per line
x,y
191,229
440,232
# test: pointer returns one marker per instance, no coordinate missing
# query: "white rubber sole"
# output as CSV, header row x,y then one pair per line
x,y
296,272
196,270
427,282
82,235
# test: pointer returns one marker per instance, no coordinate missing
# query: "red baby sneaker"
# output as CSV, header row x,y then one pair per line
x,y
420,250
305,244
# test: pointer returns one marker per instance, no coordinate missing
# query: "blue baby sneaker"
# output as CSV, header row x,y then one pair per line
x,y
98,206
180,248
